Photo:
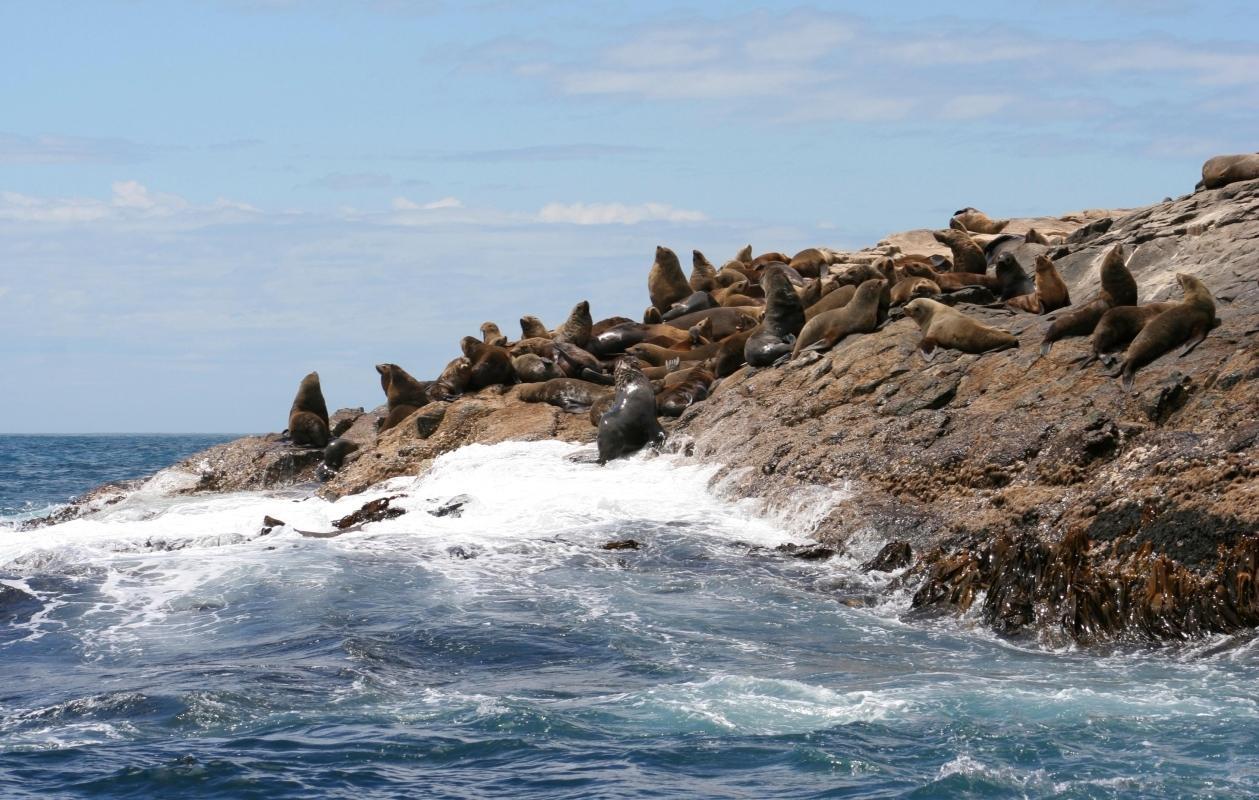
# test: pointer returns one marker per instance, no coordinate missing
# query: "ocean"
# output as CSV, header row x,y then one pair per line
x,y
169,648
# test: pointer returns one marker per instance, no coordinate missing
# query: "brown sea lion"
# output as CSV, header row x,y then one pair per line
x,y
772,257
532,328
404,395
539,346
730,353
967,256
810,262
816,289
976,221
1074,322
951,329
738,300
703,273
574,360
570,394
737,287
658,356
1223,170
630,423
907,289
531,368
784,317
453,381
1119,288
1188,323
1034,236
838,298
1119,326
744,256
490,334
725,321
683,389
308,416
860,315
490,365
576,329
666,284
1051,289
652,316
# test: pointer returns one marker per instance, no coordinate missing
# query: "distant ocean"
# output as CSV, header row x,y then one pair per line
x,y
165,648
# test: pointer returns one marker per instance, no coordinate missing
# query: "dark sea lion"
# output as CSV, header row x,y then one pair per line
x,y
616,340
1014,279
1223,170
951,329
1051,289
816,289
490,365
972,219
400,388
630,423
838,298
957,281
571,394
703,273
689,387
604,324
576,329
907,289
730,353
308,416
725,321
967,256
697,301
827,329
784,317
531,368
666,284
334,456
1119,326
490,334
1119,288
453,381
1188,323
532,328
573,359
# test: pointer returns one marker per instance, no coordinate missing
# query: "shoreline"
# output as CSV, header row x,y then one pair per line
x,y
1037,490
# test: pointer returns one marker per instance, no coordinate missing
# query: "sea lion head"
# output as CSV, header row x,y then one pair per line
x,y
1195,291
490,334
920,310
652,316
532,328
1044,264
470,346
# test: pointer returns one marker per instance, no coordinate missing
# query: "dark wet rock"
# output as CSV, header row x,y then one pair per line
x,y
452,507
807,552
893,556
17,605
374,511
621,544
463,553
269,524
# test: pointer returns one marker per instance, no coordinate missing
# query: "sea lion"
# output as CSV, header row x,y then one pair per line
x,y
573,360
404,395
784,317
967,256
1119,326
615,340
1034,236
576,329
334,456
838,298
532,328
810,262
972,219
1223,170
697,301
738,287
666,284
1119,288
538,346
907,289
681,392
730,353
1188,323
725,321
490,334
1051,289
490,365
570,394
531,368
658,356
604,324
453,381
946,327
652,316
703,273
1014,279
860,315
1075,322
308,416
744,256
816,289
630,423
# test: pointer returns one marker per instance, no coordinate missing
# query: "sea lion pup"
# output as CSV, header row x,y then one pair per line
x,y
837,298
1014,279
951,329
576,329
1187,323
404,395
1051,289
490,334
531,368
490,365
1119,326
571,394
698,301
1223,170
907,289
630,423
666,284
967,256
308,417
976,221
532,328
1119,288
860,315
703,273
453,381
784,317
684,389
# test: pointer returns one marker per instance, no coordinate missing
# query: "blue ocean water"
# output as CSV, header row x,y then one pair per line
x,y
168,649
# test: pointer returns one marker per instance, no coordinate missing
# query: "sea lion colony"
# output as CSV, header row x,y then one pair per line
x,y
767,310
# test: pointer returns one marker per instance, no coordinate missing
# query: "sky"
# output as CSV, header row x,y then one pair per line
x,y
200,202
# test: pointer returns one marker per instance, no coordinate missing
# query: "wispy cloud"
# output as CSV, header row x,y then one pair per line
x,y
581,151
616,214
130,201
350,181
46,149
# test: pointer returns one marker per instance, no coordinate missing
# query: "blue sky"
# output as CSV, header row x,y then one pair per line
x,y
201,202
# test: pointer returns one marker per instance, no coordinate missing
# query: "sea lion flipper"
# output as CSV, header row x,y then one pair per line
x,y
1192,343
1045,347
1127,380
928,348
783,359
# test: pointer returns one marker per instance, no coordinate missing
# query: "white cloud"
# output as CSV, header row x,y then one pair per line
x,y
616,214
130,201
404,204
